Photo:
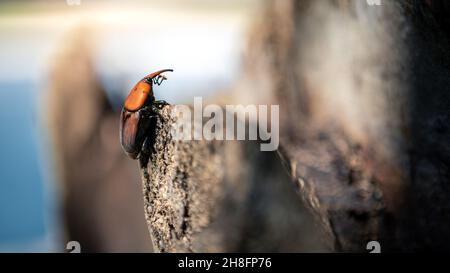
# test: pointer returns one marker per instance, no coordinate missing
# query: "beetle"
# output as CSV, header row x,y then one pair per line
x,y
139,114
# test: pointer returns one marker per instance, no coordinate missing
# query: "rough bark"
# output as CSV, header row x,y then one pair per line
x,y
221,196
364,105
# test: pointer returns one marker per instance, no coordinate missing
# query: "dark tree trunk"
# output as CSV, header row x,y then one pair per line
x,y
364,95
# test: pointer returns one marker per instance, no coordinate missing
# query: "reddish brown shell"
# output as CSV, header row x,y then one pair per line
x,y
138,95
129,127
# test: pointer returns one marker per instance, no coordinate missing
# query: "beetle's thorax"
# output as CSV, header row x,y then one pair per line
x,y
139,95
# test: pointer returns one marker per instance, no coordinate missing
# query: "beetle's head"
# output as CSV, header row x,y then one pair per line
x,y
135,117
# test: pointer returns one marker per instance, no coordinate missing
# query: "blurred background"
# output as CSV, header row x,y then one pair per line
x,y
66,67
364,108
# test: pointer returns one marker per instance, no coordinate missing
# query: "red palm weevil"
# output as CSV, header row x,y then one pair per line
x,y
138,113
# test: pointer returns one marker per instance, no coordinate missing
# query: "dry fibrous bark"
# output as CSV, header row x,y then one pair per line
x,y
364,132
181,188
220,196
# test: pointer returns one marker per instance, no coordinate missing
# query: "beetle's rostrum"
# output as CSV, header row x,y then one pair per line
x,y
139,113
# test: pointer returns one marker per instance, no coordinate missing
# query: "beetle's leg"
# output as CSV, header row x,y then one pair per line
x,y
159,79
145,153
154,109
158,105
147,146
161,102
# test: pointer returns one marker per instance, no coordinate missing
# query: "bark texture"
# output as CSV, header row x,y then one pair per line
x,y
364,129
220,196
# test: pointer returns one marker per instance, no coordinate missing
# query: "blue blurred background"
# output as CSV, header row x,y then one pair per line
x,y
201,40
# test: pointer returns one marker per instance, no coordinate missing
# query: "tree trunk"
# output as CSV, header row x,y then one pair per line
x,y
364,131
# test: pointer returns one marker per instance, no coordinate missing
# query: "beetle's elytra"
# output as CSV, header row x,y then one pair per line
x,y
138,95
138,113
